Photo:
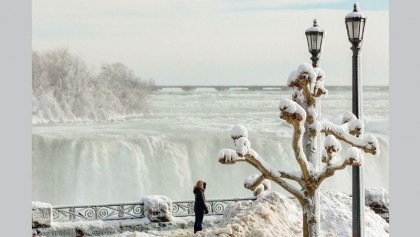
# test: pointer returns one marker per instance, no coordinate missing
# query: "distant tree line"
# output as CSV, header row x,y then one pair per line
x,y
64,89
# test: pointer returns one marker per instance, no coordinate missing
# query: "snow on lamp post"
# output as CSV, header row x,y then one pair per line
x,y
355,24
314,36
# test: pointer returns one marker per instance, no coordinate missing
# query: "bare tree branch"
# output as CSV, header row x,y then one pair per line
x,y
257,182
295,118
329,170
308,95
368,144
293,176
270,173
229,156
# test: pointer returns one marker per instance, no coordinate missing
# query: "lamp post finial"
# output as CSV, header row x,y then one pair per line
x,y
316,22
356,7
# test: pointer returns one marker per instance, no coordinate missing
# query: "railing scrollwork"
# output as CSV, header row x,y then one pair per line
x,y
135,210
98,212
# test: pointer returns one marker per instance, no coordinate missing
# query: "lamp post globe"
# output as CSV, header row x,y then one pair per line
x,y
355,24
314,37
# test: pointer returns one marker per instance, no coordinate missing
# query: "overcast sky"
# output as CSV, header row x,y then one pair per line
x,y
204,42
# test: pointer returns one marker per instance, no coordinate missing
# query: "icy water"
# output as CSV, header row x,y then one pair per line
x,y
166,151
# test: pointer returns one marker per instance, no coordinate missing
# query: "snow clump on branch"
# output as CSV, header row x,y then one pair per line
x,y
238,131
354,156
291,110
320,90
249,183
293,76
228,156
332,145
373,144
356,127
348,117
304,71
243,146
306,68
298,95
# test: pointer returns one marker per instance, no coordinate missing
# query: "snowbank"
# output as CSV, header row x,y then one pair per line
x,y
378,200
336,217
376,196
274,214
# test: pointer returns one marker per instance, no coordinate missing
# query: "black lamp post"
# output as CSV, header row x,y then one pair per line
x,y
355,24
314,36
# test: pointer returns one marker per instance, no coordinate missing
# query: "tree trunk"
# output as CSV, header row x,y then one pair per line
x,y
311,215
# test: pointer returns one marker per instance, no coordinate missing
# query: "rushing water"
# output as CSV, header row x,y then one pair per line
x,y
167,150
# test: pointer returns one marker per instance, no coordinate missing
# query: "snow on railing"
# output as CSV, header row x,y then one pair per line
x,y
134,210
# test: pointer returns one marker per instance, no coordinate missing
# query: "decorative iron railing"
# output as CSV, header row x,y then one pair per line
x,y
98,212
215,206
134,210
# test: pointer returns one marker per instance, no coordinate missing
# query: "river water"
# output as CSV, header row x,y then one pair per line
x,y
167,150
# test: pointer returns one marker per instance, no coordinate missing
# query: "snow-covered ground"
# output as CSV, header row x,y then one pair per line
x,y
276,215
272,214
141,227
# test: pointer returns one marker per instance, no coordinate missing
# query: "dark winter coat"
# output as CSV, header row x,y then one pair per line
x,y
200,200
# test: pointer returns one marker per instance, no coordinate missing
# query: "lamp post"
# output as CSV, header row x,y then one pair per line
x,y
314,36
355,24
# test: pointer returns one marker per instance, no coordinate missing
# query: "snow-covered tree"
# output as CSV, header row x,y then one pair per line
x,y
315,163
130,90
65,89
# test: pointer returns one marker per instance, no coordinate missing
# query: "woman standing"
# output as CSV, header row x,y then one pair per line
x,y
200,207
